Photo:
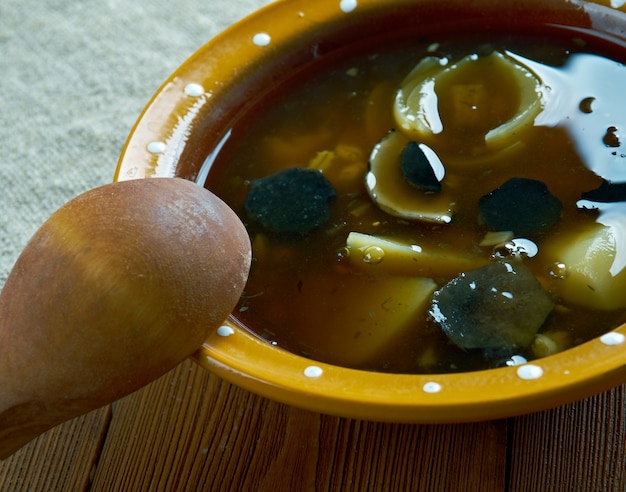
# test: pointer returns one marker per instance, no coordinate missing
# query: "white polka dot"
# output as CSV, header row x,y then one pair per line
x,y
313,371
261,39
347,5
225,331
529,371
156,147
194,90
612,338
432,387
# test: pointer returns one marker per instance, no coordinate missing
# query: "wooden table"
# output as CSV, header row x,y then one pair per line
x,y
191,431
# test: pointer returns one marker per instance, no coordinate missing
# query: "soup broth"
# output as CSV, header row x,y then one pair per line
x,y
365,288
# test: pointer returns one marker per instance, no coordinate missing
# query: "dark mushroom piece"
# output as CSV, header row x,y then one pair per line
x,y
294,200
390,189
418,169
521,205
499,306
607,192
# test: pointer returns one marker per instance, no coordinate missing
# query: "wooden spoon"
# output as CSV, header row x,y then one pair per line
x,y
115,289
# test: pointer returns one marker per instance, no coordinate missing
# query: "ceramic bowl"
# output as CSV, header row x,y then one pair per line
x,y
190,115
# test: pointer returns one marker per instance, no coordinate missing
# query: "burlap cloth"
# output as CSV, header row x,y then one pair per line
x,y
74,77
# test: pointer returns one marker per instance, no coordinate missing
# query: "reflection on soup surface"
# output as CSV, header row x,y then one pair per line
x,y
435,206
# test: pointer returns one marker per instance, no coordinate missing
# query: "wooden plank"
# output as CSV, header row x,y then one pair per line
x,y
577,447
377,456
191,431
61,459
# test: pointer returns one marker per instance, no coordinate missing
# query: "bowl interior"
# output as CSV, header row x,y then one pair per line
x,y
190,116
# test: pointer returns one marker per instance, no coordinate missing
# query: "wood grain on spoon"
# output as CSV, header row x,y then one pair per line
x,y
116,288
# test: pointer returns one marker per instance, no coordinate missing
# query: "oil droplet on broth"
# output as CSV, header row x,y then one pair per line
x,y
586,105
373,255
558,270
610,138
519,247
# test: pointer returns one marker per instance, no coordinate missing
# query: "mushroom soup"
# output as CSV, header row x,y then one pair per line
x,y
436,205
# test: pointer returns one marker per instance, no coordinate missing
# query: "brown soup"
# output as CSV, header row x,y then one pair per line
x,y
366,287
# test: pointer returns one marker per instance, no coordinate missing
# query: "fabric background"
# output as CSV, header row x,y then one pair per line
x,y
74,77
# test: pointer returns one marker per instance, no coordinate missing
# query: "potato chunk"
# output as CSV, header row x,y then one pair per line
x,y
392,256
387,307
581,266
